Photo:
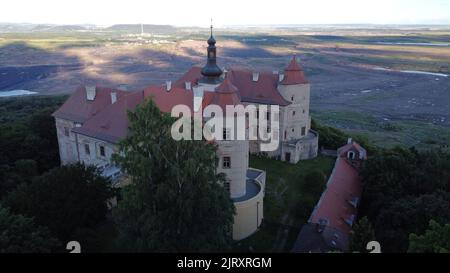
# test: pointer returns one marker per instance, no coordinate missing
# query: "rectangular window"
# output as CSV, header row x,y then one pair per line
x,y
268,115
226,162
293,113
66,131
226,134
303,131
226,185
87,150
102,150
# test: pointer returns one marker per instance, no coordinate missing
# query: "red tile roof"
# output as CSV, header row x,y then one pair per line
x,y
111,124
166,100
353,146
226,94
192,76
343,187
263,91
78,109
294,74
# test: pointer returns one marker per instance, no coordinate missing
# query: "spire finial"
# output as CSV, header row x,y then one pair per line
x,y
211,26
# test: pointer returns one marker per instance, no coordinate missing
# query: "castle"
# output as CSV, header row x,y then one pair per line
x,y
94,119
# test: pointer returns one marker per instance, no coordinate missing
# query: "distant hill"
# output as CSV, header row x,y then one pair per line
x,y
10,28
6,27
58,28
136,28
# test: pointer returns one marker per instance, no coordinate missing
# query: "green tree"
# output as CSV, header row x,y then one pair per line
x,y
330,138
410,215
176,201
21,234
361,234
435,240
64,199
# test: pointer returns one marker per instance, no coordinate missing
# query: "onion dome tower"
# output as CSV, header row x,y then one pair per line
x,y
211,72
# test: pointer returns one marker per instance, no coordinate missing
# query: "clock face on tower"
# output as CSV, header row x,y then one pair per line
x,y
211,54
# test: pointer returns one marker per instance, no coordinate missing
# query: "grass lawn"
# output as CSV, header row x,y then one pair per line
x,y
286,201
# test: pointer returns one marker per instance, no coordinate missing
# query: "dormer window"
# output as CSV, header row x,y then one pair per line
x,y
351,155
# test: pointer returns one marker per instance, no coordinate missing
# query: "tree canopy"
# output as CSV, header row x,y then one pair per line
x,y
436,239
19,234
176,201
64,199
403,190
361,234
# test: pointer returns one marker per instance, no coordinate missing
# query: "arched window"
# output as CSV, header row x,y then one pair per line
x,y
351,155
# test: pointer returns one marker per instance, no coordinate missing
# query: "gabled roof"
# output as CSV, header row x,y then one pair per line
x,y
263,91
193,75
78,109
338,203
166,100
111,124
334,205
226,94
294,74
353,146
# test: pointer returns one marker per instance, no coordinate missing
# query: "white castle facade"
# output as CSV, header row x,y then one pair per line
x,y
94,119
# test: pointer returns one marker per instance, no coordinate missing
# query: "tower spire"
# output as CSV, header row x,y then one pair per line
x,y
211,26
211,72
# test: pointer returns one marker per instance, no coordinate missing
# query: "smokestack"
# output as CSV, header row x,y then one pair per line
x,y
168,85
91,92
280,77
113,97
255,76
188,85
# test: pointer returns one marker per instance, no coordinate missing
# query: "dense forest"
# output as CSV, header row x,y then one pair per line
x,y
43,205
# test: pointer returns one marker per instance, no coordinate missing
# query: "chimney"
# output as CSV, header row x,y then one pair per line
x,y
280,77
113,97
255,76
188,85
224,74
168,85
349,140
90,92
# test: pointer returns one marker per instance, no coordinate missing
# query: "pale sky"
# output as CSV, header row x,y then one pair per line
x,y
226,12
